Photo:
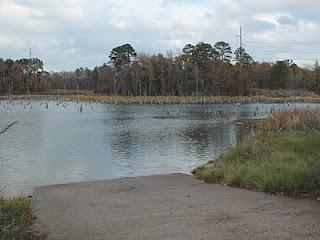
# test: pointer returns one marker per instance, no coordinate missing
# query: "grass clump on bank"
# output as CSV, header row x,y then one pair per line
x,y
15,218
283,157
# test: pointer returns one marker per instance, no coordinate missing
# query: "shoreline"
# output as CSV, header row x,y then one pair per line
x,y
167,99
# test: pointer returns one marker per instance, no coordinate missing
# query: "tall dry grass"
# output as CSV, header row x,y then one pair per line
x,y
191,99
291,120
166,99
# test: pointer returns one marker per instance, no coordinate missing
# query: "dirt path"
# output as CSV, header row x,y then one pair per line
x,y
170,207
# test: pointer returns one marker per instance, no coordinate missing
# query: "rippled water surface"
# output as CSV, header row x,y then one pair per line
x,y
60,142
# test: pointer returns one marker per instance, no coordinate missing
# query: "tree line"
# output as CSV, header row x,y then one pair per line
x,y
201,69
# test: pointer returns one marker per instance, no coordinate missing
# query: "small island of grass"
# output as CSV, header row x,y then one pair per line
x,y
282,158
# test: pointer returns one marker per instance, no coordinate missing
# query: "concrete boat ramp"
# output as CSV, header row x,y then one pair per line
x,y
175,206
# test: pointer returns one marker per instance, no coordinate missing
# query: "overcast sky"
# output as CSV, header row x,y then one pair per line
x,y
67,34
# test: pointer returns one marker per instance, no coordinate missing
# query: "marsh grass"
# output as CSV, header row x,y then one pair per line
x,y
166,99
191,99
291,120
282,158
15,218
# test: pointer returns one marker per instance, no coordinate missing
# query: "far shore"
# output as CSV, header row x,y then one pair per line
x,y
167,99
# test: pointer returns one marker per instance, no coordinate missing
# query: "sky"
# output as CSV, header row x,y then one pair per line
x,y
67,34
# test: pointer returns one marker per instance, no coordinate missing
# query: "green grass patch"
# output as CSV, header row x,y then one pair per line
x,y
285,161
15,218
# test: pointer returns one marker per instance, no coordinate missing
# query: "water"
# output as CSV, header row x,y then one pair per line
x,y
60,142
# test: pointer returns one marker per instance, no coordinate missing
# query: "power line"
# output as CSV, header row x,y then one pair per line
x,y
279,51
281,43
286,53
286,58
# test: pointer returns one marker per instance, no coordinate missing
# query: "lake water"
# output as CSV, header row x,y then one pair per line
x,y
60,142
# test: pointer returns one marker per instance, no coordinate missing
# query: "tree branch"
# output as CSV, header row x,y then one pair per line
x,y
7,128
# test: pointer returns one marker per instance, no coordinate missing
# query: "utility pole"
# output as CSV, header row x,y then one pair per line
x,y
30,69
241,54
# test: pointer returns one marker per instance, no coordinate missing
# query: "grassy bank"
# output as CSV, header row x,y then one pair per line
x,y
283,157
15,218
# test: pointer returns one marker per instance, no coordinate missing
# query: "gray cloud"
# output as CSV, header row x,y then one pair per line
x,y
287,20
255,25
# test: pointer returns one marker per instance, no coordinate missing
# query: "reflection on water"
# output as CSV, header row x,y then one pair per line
x,y
54,142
